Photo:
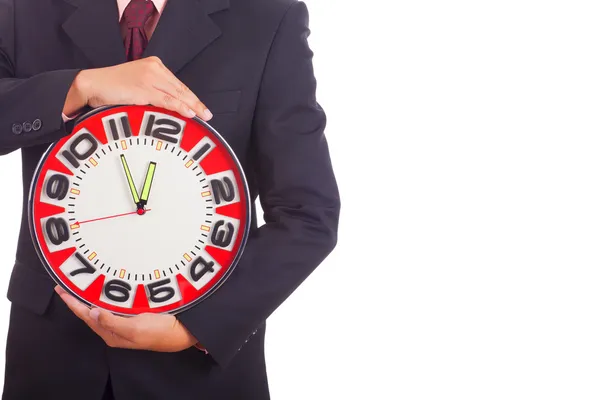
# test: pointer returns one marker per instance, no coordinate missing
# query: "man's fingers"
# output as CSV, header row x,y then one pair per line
x,y
168,83
171,103
110,338
106,325
101,322
82,312
78,308
59,290
121,343
187,97
165,100
121,326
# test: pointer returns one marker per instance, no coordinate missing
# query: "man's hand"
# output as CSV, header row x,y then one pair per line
x,y
142,82
156,332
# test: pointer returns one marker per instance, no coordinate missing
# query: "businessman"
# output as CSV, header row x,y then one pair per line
x,y
243,65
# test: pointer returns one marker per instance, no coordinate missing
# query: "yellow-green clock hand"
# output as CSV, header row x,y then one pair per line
x,y
147,183
134,193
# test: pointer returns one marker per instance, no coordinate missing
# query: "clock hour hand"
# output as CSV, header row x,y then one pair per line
x,y
134,193
147,185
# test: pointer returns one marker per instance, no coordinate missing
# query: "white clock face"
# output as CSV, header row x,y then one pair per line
x,y
139,210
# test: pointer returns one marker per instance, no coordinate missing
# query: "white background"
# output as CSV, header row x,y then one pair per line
x,y
465,138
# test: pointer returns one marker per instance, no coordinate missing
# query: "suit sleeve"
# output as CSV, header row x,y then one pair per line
x,y
298,193
40,97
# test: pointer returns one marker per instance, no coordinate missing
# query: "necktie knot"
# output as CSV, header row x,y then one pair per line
x,y
137,13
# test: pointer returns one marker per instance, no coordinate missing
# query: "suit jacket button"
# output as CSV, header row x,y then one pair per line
x,y
37,124
27,126
17,129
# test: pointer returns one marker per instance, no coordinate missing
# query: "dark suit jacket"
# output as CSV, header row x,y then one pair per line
x,y
249,61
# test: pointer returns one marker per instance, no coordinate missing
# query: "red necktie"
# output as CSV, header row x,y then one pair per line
x,y
135,16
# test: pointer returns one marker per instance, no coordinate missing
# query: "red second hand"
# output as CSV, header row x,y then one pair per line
x,y
110,216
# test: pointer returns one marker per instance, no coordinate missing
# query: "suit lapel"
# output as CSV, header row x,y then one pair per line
x,y
94,28
184,29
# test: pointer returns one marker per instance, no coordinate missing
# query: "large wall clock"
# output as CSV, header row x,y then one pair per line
x,y
139,210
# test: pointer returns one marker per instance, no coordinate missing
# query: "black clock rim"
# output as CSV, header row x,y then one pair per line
x,y
58,281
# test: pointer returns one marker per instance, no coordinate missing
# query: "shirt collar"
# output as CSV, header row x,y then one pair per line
x,y
159,4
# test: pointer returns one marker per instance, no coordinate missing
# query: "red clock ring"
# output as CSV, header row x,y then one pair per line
x,y
221,158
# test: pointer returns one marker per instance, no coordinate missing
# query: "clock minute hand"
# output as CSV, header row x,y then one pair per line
x,y
134,193
147,185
